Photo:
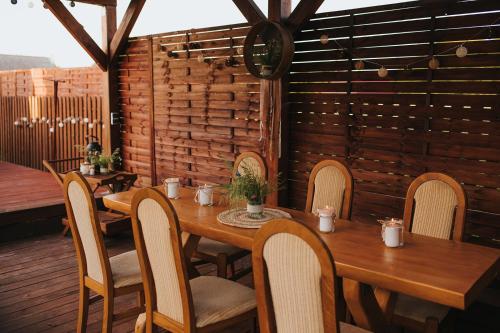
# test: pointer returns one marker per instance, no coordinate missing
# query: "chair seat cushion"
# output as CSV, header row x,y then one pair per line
x,y
419,310
348,328
213,248
125,269
216,299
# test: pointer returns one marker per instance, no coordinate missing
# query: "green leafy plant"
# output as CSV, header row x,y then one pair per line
x,y
116,159
269,54
250,186
104,161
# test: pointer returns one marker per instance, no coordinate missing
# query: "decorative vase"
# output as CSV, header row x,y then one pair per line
x,y
103,171
255,211
266,70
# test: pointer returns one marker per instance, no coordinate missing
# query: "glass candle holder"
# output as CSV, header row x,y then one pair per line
x,y
392,232
326,217
172,186
205,195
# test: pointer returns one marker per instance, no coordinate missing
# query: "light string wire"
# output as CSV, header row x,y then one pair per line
x,y
428,57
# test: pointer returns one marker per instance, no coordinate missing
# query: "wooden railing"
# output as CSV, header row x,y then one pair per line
x,y
36,128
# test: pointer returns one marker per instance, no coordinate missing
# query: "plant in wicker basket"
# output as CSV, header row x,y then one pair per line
x,y
252,188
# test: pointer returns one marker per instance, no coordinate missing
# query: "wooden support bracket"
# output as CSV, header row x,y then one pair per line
x,y
302,13
250,10
121,36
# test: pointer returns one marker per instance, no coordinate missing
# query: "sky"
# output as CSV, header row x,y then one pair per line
x,y
36,32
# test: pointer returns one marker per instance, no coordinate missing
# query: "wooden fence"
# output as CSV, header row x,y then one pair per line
x,y
25,128
389,130
39,82
186,112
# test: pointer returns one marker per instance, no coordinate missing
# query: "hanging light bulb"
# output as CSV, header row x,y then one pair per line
x,y
30,126
51,130
461,51
434,63
72,4
324,39
61,124
201,58
359,65
382,72
85,120
91,125
73,121
239,51
13,2
16,123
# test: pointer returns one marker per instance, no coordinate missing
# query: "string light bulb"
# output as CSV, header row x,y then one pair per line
x,y
461,51
382,72
359,65
201,58
51,130
324,39
434,63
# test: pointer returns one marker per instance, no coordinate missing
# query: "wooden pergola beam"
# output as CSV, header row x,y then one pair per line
x,y
121,36
78,32
98,2
250,10
302,13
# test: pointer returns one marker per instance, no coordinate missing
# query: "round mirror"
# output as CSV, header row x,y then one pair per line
x,y
268,50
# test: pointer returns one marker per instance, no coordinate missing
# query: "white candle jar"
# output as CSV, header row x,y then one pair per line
x,y
326,219
205,195
172,187
392,233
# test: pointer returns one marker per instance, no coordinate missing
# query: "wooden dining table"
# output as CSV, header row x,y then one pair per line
x,y
447,272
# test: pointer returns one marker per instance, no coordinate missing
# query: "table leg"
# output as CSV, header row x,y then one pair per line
x,y
386,299
364,307
190,243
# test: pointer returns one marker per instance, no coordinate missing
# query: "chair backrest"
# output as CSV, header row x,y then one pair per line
x,y
84,223
295,281
53,171
330,183
435,206
158,242
251,160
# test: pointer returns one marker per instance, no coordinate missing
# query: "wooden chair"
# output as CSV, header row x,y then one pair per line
x,y
221,254
330,183
204,304
435,206
108,277
295,281
111,223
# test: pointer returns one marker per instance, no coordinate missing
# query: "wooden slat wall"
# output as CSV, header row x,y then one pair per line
x,y
204,115
391,130
29,146
38,82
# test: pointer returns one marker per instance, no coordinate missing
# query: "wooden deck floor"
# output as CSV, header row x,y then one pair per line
x,y
39,286
23,188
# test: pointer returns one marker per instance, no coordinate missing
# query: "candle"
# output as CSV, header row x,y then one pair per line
x,y
392,232
326,216
204,195
172,187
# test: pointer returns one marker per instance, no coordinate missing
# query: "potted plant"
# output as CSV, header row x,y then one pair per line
x,y
104,162
115,160
269,56
252,188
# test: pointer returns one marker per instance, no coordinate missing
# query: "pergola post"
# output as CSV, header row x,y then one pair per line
x,y
273,98
111,130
